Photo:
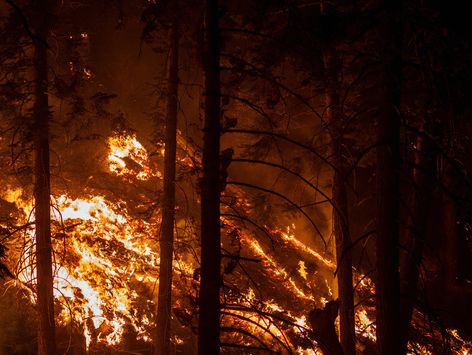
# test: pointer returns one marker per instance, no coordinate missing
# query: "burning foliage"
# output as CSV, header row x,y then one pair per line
x,y
106,267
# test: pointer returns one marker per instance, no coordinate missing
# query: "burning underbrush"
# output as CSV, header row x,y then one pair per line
x,y
106,267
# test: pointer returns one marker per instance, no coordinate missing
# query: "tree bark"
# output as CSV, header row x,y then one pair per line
x,y
340,214
209,297
347,330
166,241
415,234
44,288
387,176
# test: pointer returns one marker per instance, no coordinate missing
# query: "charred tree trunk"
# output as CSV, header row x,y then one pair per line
x,y
388,186
166,241
339,194
45,298
324,330
209,298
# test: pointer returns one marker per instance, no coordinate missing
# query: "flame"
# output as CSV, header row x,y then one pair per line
x,y
98,253
128,158
103,256
90,276
264,326
302,269
289,236
12,194
365,327
464,346
278,271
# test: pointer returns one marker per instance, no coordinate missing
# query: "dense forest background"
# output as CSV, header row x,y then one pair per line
x,y
285,176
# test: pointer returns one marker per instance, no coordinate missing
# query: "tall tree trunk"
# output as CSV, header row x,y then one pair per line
x,y
387,176
166,241
344,262
424,201
339,195
209,298
416,234
45,298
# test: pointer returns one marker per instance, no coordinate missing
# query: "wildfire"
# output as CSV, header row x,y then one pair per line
x,y
289,236
365,327
106,266
129,158
278,271
102,253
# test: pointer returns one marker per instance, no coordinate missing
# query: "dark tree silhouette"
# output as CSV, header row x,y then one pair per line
x,y
341,230
387,177
210,281
166,240
41,23
324,330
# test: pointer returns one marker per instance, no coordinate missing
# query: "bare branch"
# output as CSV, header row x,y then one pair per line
x,y
284,198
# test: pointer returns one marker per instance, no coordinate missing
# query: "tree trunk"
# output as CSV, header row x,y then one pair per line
x,y
339,195
209,298
324,329
387,176
45,297
344,263
415,234
166,241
